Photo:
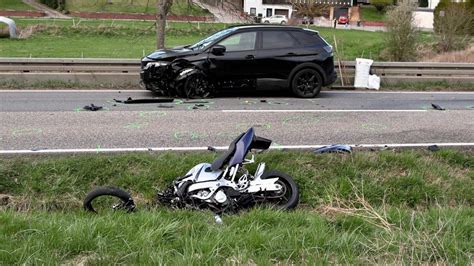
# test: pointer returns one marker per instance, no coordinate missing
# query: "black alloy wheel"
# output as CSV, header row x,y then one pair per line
x,y
197,86
307,83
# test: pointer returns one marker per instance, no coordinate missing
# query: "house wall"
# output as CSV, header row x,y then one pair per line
x,y
262,9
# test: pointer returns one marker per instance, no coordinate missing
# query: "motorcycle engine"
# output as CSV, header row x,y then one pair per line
x,y
220,197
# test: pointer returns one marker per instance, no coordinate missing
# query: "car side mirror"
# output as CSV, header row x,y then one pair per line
x,y
218,50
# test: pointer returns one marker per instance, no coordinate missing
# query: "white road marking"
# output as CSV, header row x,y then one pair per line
x,y
276,147
53,91
321,111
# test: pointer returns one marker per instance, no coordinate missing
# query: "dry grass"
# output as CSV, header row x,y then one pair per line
x,y
462,56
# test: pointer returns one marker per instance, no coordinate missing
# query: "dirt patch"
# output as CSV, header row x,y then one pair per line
x,y
6,13
81,260
5,199
373,23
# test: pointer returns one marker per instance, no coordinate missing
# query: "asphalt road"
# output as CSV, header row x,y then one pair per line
x,y
32,120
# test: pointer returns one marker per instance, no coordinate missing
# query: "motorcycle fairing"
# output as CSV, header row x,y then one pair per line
x,y
202,172
239,148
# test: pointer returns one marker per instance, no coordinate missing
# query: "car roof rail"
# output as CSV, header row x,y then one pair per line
x,y
262,25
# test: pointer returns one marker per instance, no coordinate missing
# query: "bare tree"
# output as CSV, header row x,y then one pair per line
x,y
453,27
402,37
163,7
311,10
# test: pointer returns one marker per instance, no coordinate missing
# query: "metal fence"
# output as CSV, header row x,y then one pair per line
x,y
118,71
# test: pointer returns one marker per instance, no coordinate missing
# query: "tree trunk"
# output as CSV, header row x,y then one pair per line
x,y
160,23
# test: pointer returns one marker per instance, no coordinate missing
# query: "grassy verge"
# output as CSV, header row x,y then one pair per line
x,y
387,207
430,86
14,5
131,39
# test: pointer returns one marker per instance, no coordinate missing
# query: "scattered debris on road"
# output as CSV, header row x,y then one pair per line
x,y
92,107
437,107
196,106
336,148
195,102
165,106
155,100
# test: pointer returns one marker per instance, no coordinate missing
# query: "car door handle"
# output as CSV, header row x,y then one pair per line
x,y
250,57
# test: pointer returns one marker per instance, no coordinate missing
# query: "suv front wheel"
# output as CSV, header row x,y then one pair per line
x,y
306,83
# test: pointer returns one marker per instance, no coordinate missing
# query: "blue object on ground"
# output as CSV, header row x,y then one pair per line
x,y
339,148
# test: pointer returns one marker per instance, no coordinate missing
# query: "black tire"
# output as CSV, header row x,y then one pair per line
x,y
306,83
126,201
283,23
289,188
197,86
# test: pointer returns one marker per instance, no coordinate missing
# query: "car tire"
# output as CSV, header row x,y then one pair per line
x,y
307,83
266,22
197,86
283,22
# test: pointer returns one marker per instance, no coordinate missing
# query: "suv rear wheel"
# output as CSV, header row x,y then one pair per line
x,y
306,83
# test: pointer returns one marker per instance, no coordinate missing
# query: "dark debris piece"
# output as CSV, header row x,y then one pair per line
x,y
336,148
433,148
165,106
437,107
92,107
152,100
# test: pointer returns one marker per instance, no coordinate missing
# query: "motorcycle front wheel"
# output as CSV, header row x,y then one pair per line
x,y
108,199
287,197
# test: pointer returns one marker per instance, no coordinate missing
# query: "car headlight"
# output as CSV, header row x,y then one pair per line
x,y
328,49
156,64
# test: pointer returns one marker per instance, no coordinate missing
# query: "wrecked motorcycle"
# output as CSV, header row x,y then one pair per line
x,y
225,186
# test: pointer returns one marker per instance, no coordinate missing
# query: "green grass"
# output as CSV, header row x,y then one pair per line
x,y
263,237
14,5
443,85
407,207
131,39
179,7
370,13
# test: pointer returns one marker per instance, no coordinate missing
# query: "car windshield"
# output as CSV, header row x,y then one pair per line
x,y
204,43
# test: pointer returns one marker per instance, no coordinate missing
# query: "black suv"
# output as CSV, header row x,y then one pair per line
x,y
237,57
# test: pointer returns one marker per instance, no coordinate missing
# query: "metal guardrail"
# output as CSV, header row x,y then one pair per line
x,y
118,71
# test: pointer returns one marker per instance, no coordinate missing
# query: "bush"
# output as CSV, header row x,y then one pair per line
x,y
54,4
381,5
453,24
402,37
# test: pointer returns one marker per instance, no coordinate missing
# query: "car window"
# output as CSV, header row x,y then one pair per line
x,y
307,39
277,39
240,42
204,43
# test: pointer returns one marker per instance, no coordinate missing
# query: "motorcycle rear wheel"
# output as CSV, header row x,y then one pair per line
x,y
110,198
288,197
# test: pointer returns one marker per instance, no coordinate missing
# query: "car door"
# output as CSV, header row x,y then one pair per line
x,y
276,54
238,61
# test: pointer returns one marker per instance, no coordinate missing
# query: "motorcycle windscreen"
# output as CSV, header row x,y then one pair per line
x,y
242,147
260,143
